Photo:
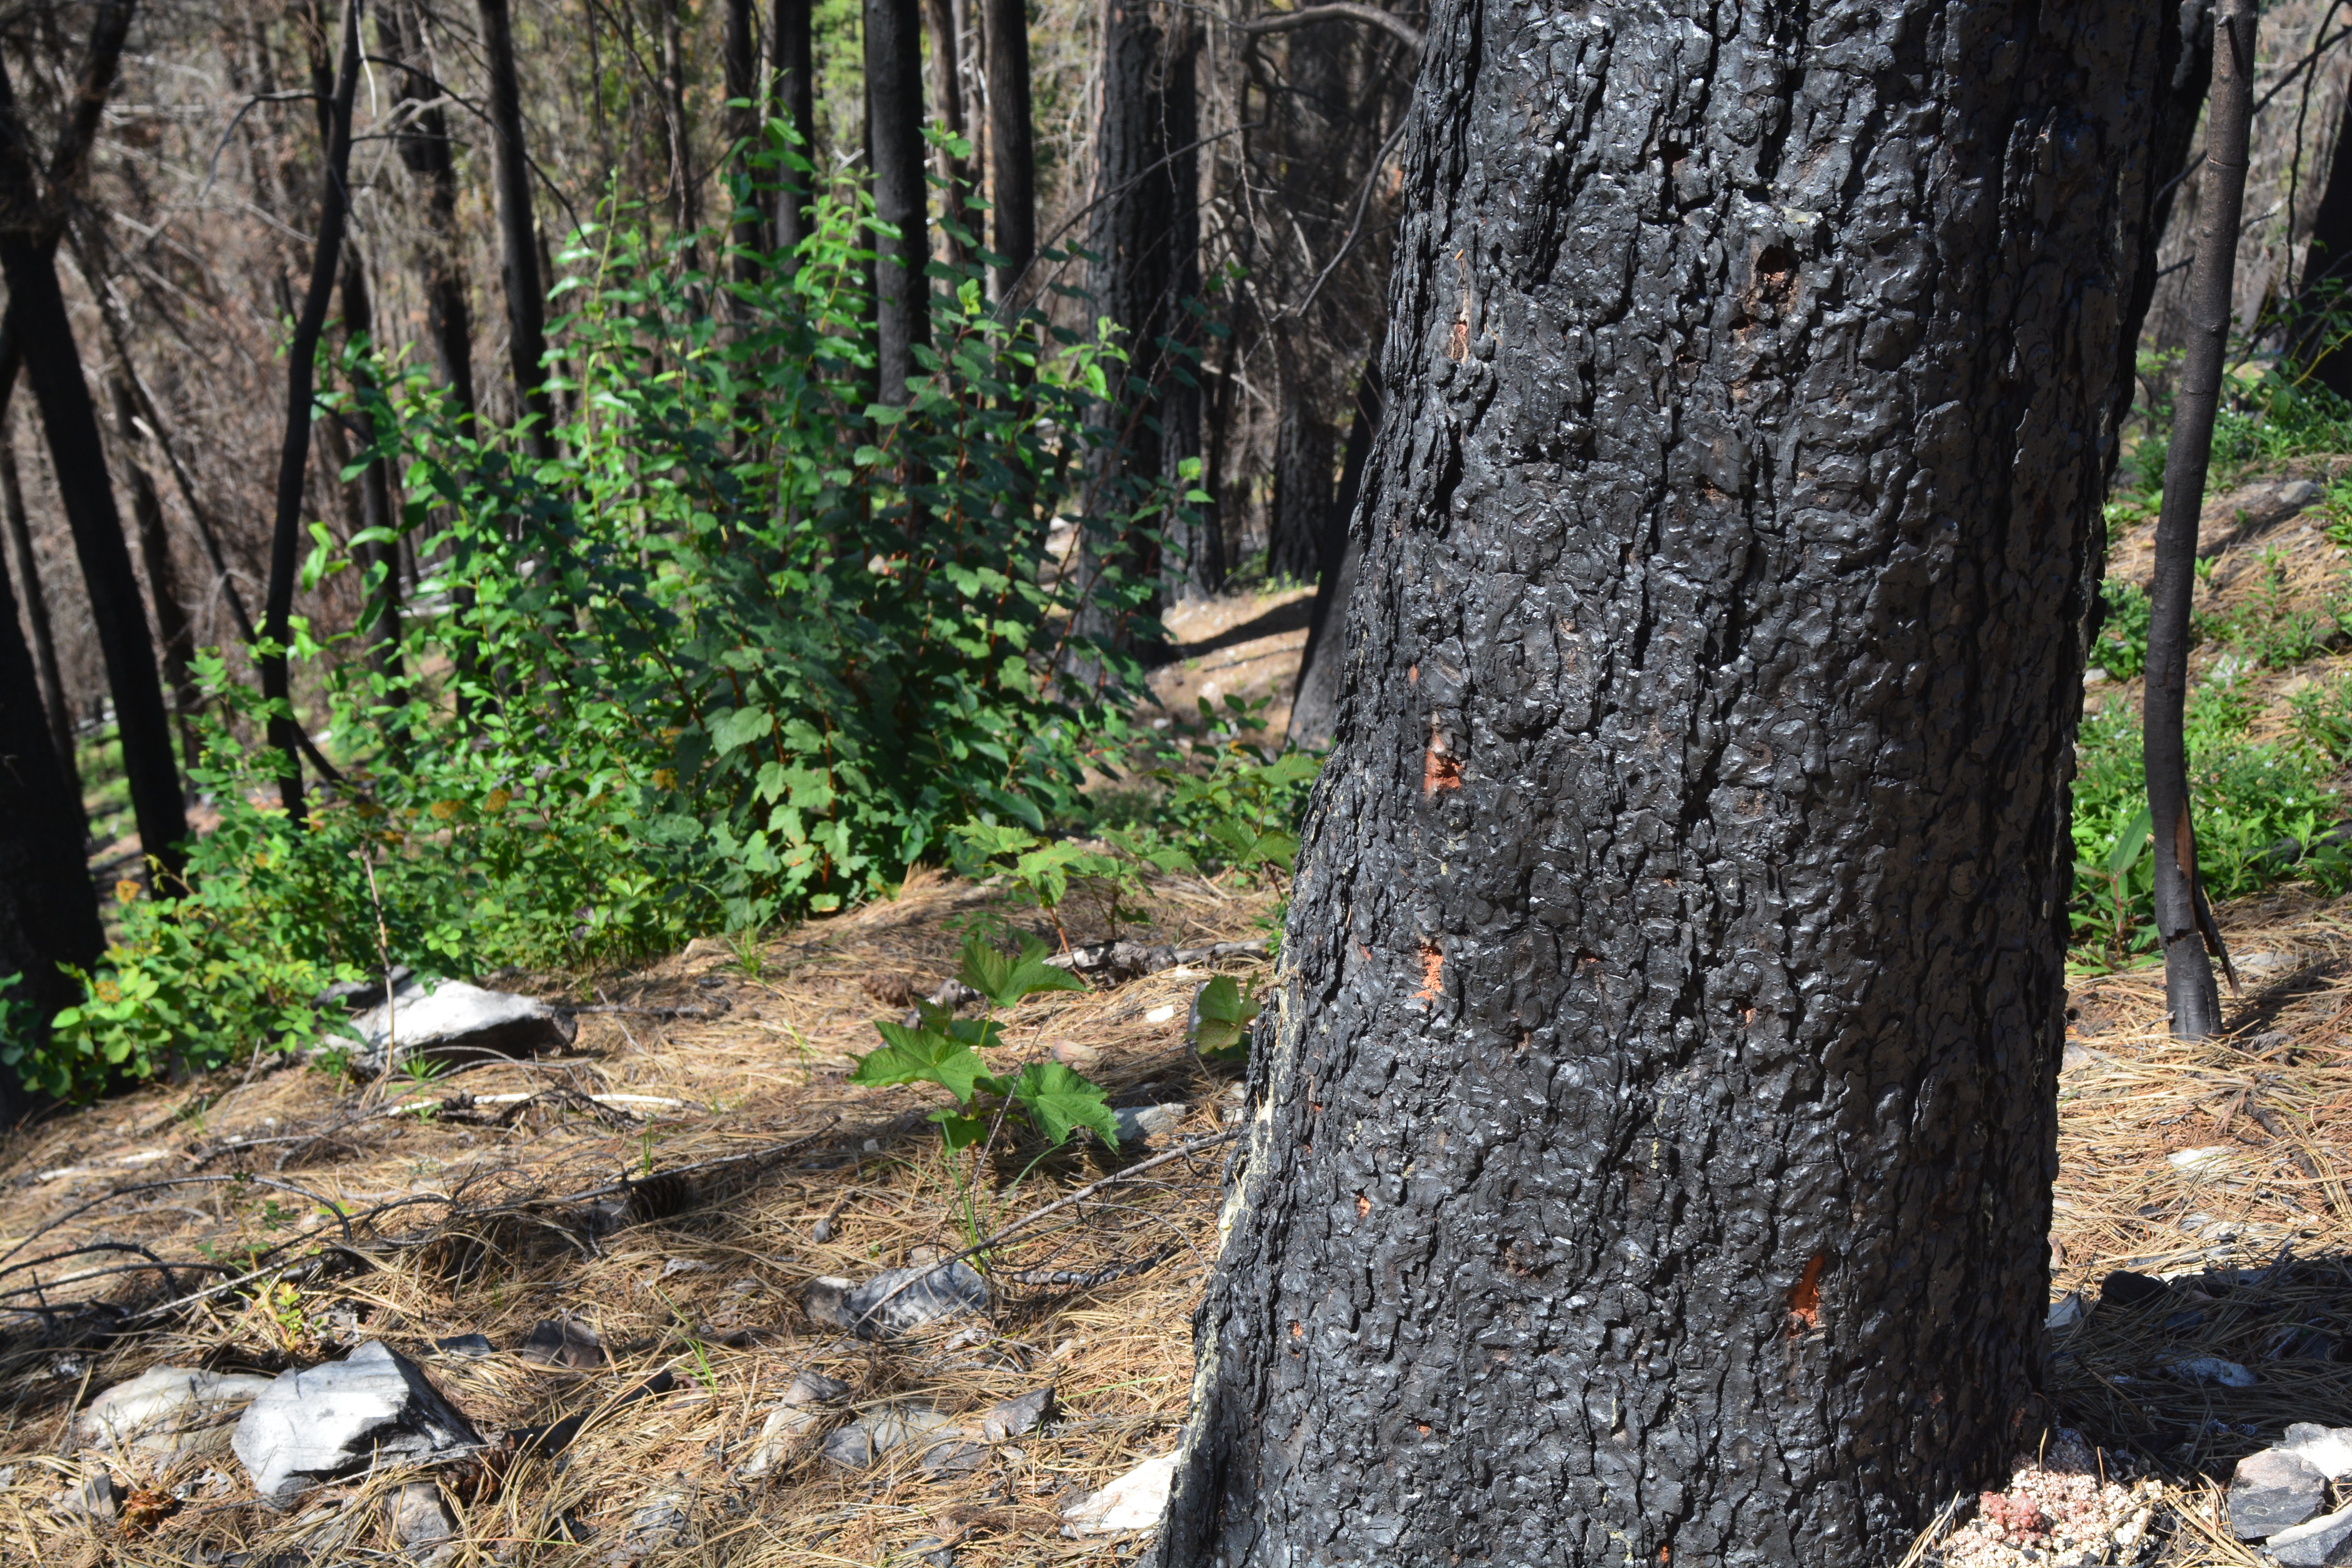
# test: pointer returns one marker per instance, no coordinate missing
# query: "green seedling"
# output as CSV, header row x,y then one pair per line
x,y
1226,1010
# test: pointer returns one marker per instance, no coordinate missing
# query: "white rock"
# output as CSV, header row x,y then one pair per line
x,y
2065,1312
794,1418
1161,1014
2327,1449
164,1412
2200,1162
1142,1125
370,1407
456,1020
1134,1502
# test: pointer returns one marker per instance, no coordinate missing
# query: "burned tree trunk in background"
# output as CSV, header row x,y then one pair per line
x,y
685,184
517,239
294,453
48,914
1302,487
741,63
2184,924
894,118
1012,145
172,628
423,146
947,93
1656,1096
31,218
792,59
1314,698
28,580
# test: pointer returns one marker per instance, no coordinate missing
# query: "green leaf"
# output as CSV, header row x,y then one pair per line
x,y
1058,1100
959,1131
1004,981
1226,1012
2128,846
920,1056
740,728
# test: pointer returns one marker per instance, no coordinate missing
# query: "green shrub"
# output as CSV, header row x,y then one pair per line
x,y
2122,647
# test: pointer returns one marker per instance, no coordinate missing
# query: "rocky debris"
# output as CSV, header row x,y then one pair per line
x,y
1145,1123
2327,1449
2211,1369
933,1553
794,1421
99,1499
2255,510
357,995
1134,1502
419,1517
2124,1289
165,1411
2057,1512
457,1020
1017,1416
2274,1491
882,1431
896,1301
561,1342
2315,1544
2065,1312
372,1406
662,1525
469,1346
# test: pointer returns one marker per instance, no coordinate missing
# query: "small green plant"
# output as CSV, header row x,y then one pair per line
x,y
2270,627
1226,1010
2322,715
749,955
2122,647
1044,872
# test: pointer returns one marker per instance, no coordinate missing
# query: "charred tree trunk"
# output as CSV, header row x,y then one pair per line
x,y
1302,487
2184,922
31,218
792,60
294,452
684,183
1011,146
172,628
894,116
518,243
424,145
48,914
1193,561
1655,1104
37,603
2325,288
741,47
1315,699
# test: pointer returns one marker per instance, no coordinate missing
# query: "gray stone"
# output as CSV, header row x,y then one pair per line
x,y
659,1528
2324,1543
2327,1449
372,1406
2274,1491
896,1301
1017,1416
165,1411
1133,1502
467,1345
419,1517
1144,1123
794,1419
455,1021
885,1430
561,1342
98,1497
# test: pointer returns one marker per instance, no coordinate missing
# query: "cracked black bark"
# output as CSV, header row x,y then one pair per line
x,y
1655,1122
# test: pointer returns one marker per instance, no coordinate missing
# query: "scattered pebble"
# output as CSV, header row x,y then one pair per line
x,y
2056,1512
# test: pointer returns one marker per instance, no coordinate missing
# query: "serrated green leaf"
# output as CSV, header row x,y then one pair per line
x,y
1057,1100
1004,981
920,1056
1226,1012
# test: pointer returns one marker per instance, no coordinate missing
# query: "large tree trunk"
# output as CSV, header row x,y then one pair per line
x,y
1012,145
1302,487
518,242
424,145
32,215
740,50
947,92
37,603
48,914
792,59
1655,1110
894,115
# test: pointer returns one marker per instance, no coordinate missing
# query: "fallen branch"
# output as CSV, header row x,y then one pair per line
x,y
1117,961
1334,11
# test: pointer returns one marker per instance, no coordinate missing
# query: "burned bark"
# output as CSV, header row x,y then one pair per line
x,y
44,649
741,63
1302,489
1654,1113
172,628
379,540
793,65
894,118
518,242
947,93
423,146
1011,146
1314,698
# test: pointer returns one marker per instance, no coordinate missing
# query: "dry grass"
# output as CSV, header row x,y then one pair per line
x,y
710,1292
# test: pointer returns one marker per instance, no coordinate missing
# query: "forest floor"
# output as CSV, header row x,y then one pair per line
x,y
707,1110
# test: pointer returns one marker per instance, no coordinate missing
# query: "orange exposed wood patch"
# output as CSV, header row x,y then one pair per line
x,y
1432,972
1439,770
1805,1301
1363,1206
